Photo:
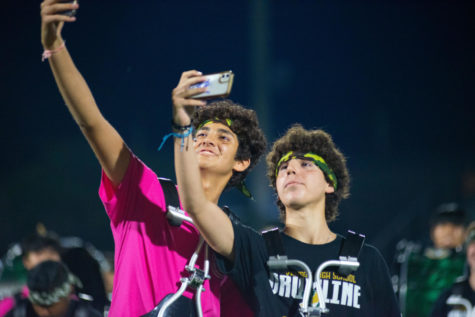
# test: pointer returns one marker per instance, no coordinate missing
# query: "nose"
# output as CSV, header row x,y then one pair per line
x,y
292,167
209,140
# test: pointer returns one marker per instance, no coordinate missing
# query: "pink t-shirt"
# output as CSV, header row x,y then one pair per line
x,y
8,303
150,254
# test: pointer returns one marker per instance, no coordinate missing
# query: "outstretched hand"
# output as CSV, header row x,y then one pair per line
x,y
52,22
183,104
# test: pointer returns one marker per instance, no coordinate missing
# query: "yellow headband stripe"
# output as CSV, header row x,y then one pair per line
x,y
317,159
228,122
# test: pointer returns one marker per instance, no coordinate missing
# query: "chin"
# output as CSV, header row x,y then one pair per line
x,y
292,199
293,204
204,160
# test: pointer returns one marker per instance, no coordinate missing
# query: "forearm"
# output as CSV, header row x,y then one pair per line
x,y
105,141
75,91
107,144
188,176
211,221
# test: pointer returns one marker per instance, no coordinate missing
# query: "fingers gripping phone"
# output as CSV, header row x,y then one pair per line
x,y
217,84
70,13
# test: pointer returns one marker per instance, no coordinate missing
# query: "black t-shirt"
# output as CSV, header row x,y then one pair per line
x,y
23,308
367,292
463,289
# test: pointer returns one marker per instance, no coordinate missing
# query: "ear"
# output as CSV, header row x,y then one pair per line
x,y
241,166
330,189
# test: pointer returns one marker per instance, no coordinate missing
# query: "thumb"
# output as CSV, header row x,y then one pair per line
x,y
59,28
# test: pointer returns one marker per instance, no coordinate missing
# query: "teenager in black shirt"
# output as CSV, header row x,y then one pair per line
x,y
310,178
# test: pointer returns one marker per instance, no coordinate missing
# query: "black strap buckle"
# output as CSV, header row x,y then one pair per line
x,y
197,278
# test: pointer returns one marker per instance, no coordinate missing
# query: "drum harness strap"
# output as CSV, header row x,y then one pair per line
x,y
196,277
457,299
347,263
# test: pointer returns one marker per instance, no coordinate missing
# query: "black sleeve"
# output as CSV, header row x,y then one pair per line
x,y
250,258
440,308
383,297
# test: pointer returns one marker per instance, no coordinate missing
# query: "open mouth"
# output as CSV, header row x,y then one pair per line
x,y
206,152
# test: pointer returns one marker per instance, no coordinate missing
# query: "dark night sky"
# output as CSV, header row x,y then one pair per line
x,y
392,81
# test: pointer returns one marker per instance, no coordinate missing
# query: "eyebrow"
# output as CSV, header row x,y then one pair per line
x,y
220,130
226,132
306,159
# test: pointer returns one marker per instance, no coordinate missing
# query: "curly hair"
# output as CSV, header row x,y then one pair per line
x,y
319,142
252,142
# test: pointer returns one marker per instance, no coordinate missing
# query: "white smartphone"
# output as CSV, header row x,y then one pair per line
x,y
217,84
70,13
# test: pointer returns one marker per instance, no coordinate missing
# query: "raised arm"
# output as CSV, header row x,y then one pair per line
x,y
105,141
212,222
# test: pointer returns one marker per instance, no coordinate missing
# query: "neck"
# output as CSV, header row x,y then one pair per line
x,y
213,184
308,224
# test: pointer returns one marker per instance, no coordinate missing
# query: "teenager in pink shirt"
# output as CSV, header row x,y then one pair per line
x,y
150,254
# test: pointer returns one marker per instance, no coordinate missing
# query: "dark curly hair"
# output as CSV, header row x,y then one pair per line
x,y
319,142
252,142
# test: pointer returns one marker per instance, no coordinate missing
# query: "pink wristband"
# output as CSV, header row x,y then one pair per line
x,y
47,53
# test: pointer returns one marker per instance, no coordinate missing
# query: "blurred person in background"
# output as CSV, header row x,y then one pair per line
x,y
35,249
447,230
51,294
423,272
44,245
459,299
87,269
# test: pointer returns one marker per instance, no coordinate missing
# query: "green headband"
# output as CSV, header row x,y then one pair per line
x,y
227,122
317,159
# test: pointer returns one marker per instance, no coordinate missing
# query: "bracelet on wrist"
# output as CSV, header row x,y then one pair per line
x,y
47,53
180,128
181,135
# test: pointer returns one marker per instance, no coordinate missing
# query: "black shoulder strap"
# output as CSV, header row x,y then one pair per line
x,y
171,198
350,249
275,248
273,239
350,246
170,192
232,216
459,285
